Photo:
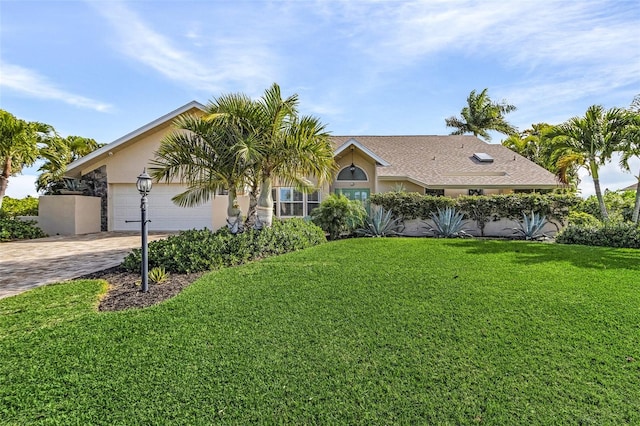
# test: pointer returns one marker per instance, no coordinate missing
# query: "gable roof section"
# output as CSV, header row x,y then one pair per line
x,y
379,161
75,167
448,162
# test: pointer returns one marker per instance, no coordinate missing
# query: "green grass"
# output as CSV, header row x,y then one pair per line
x,y
364,331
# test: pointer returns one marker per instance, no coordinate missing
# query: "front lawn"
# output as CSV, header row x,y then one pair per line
x,y
361,331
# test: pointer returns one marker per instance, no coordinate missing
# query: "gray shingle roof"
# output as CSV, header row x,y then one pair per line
x,y
448,161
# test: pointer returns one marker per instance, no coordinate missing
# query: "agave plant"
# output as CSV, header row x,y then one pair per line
x,y
531,226
380,223
448,223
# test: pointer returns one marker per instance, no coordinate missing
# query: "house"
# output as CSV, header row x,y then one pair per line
x,y
437,165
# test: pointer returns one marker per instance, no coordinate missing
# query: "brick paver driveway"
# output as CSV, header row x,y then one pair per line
x,y
32,263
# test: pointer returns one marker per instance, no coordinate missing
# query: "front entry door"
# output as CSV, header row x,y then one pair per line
x,y
359,194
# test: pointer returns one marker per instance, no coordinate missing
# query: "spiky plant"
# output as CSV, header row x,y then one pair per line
x,y
380,223
448,223
530,227
158,275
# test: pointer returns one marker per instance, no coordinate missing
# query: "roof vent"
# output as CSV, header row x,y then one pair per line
x,y
483,157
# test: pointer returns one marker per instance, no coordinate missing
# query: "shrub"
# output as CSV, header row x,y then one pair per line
x,y
380,223
337,214
583,219
203,250
12,207
448,223
14,229
411,205
619,205
611,234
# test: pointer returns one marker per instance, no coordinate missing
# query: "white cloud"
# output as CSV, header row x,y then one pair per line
x,y
32,84
21,186
226,60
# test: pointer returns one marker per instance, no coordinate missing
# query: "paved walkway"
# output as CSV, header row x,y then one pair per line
x,y
31,263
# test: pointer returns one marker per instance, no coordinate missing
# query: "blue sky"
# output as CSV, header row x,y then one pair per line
x,y
101,69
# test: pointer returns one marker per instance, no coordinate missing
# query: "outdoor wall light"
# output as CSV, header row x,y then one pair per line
x,y
352,167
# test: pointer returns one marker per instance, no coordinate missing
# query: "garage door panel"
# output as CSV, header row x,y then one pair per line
x,y
161,211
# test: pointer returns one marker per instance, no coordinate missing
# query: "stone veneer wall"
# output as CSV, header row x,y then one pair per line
x,y
96,180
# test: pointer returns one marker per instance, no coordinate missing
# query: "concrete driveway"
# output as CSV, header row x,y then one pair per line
x,y
31,263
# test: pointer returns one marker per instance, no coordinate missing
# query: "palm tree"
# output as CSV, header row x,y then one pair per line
x,y
202,153
589,142
239,115
19,141
288,148
631,148
482,115
57,153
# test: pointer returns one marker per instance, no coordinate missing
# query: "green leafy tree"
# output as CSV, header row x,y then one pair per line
x,y
482,115
57,153
589,142
19,141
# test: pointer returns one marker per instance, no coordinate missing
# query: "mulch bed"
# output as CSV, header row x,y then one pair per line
x,y
124,288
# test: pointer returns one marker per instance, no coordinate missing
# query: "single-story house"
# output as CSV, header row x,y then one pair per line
x,y
437,165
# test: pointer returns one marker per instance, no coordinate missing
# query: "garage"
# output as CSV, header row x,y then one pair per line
x,y
124,202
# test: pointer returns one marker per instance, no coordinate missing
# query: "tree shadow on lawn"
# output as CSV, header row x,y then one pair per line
x,y
530,253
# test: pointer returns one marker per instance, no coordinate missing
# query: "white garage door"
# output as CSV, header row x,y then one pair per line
x,y
164,215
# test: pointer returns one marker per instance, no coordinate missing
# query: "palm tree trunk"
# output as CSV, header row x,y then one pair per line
x,y
596,183
265,203
233,212
253,204
4,177
636,207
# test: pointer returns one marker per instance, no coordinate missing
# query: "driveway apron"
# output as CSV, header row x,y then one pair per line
x,y
32,263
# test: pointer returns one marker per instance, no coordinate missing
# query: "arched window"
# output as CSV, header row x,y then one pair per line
x,y
352,173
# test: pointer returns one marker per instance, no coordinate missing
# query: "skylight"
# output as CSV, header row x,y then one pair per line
x,y
483,157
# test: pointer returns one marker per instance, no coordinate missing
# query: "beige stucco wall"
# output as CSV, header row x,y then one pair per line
x,y
69,214
393,185
126,163
503,228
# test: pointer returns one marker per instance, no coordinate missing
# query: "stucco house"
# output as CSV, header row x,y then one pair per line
x,y
437,165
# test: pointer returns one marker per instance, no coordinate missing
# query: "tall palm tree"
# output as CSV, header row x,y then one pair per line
x,y
631,148
589,142
19,141
57,153
202,153
482,115
288,148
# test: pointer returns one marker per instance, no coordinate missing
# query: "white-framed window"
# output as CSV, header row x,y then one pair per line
x,y
291,203
476,192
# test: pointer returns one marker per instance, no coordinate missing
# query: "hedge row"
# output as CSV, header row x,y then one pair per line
x,y
481,209
204,250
